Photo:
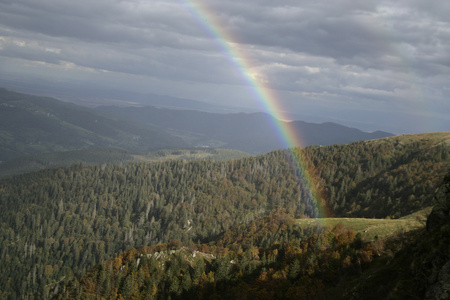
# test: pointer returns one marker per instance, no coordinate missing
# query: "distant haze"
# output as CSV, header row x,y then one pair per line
x,y
373,65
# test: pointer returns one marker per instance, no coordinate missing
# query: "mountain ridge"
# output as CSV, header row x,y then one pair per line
x,y
34,124
254,133
31,124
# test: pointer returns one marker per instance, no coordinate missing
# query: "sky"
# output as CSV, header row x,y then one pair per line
x,y
374,65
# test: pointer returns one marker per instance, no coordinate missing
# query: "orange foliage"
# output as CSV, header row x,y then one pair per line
x,y
117,263
345,238
88,285
347,262
366,256
203,248
291,251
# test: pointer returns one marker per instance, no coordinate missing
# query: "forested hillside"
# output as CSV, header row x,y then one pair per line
x,y
275,258
58,223
297,264
386,177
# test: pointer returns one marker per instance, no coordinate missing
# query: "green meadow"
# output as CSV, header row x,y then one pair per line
x,y
370,228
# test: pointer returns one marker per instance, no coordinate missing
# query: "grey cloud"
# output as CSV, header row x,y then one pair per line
x,y
365,33
145,43
314,53
362,35
98,21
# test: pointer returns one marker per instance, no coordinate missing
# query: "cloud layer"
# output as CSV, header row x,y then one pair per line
x,y
372,64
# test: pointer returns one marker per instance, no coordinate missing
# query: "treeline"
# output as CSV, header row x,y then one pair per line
x,y
58,223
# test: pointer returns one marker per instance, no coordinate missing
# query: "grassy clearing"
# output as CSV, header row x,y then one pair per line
x,y
192,154
369,228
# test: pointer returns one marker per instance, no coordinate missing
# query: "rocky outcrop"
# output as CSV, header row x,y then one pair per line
x,y
438,259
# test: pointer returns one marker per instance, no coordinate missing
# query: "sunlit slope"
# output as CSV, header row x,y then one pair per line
x,y
371,228
191,154
432,137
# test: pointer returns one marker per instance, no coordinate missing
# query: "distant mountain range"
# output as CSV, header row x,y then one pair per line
x,y
34,124
87,94
253,133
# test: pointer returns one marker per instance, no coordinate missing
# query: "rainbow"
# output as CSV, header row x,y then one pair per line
x,y
266,96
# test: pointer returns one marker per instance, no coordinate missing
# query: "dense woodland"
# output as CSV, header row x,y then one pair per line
x,y
298,264
59,223
318,263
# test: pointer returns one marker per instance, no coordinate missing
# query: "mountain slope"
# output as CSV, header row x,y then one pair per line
x,y
331,133
60,222
420,267
320,263
274,257
31,124
252,133
363,179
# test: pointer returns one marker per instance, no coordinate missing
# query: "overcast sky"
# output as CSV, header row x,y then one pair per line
x,y
374,65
